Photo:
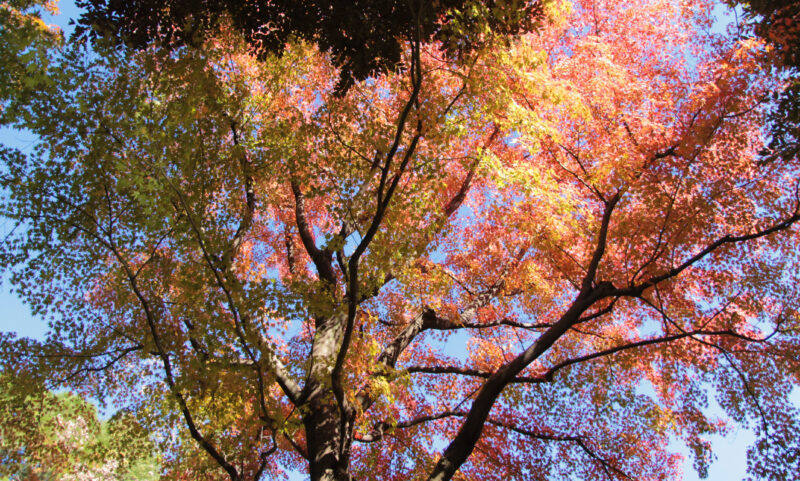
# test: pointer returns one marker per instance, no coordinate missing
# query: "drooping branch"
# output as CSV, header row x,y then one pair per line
x,y
106,240
132,275
167,366
579,440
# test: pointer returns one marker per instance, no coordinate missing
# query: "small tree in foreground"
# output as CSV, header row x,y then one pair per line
x,y
530,260
58,437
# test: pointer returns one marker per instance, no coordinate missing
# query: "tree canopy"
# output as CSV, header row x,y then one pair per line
x,y
777,23
536,259
363,37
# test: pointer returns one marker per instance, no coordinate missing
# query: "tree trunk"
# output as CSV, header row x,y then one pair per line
x,y
328,450
328,459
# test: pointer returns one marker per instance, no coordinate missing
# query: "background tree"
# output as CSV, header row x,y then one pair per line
x,y
46,436
363,37
526,262
778,24
25,41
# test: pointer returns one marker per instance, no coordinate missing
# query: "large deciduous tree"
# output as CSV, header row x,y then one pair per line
x,y
533,260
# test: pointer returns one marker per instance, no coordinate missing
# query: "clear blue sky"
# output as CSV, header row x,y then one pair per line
x,y
16,317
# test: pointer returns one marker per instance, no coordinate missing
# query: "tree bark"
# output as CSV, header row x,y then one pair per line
x,y
328,459
328,449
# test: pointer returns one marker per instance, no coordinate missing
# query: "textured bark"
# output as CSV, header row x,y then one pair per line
x,y
326,459
322,417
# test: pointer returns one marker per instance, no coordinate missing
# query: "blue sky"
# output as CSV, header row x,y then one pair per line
x,y
16,317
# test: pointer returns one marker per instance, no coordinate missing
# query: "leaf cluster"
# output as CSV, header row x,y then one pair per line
x,y
25,45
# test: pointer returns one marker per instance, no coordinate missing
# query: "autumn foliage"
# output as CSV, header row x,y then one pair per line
x,y
535,260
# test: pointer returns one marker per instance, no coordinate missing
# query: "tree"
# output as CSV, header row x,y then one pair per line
x,y
25,41
531,261
777,24
364,37
46,436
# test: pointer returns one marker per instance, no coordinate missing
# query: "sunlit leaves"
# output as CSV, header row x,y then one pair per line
x,y
25,44
190,219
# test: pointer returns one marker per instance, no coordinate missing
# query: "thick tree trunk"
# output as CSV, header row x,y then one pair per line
x,y
328,449
328,459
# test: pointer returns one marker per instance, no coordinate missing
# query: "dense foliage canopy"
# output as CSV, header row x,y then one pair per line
x,y
777,23
363,37
536,259
25,41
